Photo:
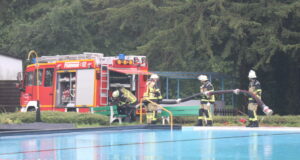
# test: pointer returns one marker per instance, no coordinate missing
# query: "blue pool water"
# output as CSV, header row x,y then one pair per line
x,y
155,145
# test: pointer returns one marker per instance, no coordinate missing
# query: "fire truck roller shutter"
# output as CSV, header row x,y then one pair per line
x,y
85,87
130,71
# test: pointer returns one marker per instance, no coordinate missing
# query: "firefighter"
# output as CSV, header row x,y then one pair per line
x,y
206,102
152,93
126,102
66,95
73,92
255,88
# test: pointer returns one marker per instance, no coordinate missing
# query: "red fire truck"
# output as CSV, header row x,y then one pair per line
x,y
80,82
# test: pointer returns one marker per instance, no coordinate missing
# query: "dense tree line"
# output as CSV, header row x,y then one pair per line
x,y
227,36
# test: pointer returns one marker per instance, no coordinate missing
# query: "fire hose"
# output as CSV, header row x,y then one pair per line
x,y
260,103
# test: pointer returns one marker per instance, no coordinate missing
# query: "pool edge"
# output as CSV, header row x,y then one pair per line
x,y
73,130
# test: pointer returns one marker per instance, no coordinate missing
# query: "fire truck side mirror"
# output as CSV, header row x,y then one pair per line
x,y
22,89
19,85
20,76
20,81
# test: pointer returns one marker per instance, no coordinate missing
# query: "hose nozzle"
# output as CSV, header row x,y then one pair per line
x,y
267,110
236,91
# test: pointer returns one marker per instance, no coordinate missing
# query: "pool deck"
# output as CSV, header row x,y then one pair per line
x,y
47,128
242,128
35,126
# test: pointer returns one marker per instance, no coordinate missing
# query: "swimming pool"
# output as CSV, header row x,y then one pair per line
x,y
188,143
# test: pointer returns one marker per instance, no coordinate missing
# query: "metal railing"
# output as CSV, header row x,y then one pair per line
x,y
161,107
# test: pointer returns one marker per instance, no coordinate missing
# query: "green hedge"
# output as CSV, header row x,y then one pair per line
x,y
54,117
276,120
88,119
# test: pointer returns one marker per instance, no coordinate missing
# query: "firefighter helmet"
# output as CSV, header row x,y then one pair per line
x,y
116,94
202,77
154,76
251,74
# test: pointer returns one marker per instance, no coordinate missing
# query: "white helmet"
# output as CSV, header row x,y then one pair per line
x,y
154,76
202,78
251,74
115,94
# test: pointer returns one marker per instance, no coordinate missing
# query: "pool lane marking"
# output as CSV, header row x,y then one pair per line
x,y
139,143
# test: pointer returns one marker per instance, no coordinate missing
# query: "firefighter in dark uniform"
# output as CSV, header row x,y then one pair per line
x,y
126,102
205,115
255,88
152,93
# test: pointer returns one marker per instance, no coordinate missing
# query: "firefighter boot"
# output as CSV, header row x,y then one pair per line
x,y
153,118
208,117
209,123
250,124
255,124
251,118
200,118
149,117
199,123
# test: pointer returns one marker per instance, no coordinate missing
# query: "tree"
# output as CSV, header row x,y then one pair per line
x,y
227,36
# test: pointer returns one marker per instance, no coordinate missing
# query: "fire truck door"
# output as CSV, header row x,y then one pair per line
x,y
47,89
85,87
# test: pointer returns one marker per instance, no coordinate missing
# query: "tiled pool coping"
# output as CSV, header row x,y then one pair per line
x,y
68,130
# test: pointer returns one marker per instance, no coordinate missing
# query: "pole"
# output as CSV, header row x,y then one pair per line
x,y
141,111
222,88
38,112
178,88
167,88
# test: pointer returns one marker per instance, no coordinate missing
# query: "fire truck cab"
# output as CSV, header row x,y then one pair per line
x,y
80,82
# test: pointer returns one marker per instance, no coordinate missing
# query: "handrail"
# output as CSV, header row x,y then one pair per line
x,y
141,111
161,107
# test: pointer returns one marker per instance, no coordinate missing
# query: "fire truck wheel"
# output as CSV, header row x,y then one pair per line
x,y
31,109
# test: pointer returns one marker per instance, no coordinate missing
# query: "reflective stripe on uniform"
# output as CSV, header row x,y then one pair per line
x,y
209,115
151,91
132,99
204,88
255,88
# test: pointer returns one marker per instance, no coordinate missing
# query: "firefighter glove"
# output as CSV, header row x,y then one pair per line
x,y
157,94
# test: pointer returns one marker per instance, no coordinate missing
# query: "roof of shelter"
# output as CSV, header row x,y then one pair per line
x,y
189,75
8,55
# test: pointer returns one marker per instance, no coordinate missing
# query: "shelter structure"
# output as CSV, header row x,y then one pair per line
x,y
178,76
218,79
10,66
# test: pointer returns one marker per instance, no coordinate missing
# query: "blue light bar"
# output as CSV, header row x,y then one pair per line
x,y
33,60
